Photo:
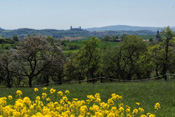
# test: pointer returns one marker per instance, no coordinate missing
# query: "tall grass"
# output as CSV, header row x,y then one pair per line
x,y
147,93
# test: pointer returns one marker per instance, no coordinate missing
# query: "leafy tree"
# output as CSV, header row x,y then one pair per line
x,y
124,62
156,57
85,64
73,70
151,40
35,54
168,34
50,39
7,67
55,70
15,38
73,47
89,56
106,38
110,60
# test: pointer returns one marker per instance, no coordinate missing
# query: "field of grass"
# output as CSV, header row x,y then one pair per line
x,y
147,36
147,93
3,46
80,44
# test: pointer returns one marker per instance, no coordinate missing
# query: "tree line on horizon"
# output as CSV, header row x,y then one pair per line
x,y
39,60
60,34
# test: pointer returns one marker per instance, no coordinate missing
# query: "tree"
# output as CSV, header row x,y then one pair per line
x,y
55,70
124,62
50,39
150,40
7,67
89,56
15,38
35,55
73,70
168,36
110,59
85,64
156,57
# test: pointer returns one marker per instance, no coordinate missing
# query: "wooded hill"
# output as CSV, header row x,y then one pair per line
x,y
59,34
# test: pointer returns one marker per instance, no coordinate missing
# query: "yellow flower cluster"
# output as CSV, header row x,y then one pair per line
x,y
36,89
157,106
45,106
18,93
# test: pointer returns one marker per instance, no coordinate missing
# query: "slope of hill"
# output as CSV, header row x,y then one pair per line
x,y
60,34
124,28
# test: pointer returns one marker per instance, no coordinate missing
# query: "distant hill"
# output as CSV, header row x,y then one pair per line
x,y
58,34
97,32
124,28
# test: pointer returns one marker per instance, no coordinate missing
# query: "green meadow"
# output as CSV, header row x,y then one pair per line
x,y
147,93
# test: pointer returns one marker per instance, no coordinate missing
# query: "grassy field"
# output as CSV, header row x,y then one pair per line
x,y
147,36
147,93
3,46
80,44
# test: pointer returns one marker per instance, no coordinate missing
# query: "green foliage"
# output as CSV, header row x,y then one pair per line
x,y
15,38
41,60
124,62
86,61
6,41
168,34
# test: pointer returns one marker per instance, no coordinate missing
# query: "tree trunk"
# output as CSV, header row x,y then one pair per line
x,y
30,81
92,76
129,77
157,74
8,80
60,81
164,71
79,80
166,59
47,80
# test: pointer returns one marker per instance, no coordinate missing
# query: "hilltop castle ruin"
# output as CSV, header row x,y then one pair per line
x,y
76,29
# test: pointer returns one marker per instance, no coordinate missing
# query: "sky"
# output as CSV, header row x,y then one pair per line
x,y
61,14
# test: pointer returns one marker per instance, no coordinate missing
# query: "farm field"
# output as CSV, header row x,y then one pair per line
x,y
146,93
79,43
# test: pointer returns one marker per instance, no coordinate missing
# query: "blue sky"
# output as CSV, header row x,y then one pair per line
x,y
61,14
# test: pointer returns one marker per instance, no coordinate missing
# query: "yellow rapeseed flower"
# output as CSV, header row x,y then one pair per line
x,y
48,99
141,110
36,89
152,115
60,93
138,103
62,107
52,91
44,95
67,92
135,111
10,97
44,88
18,92
157,106
110,102
38,98
27,100
143,116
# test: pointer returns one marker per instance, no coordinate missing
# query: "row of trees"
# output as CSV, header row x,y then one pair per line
x,y
39,60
